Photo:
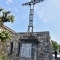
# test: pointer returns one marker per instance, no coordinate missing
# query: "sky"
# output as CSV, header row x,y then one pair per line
x,y
46,16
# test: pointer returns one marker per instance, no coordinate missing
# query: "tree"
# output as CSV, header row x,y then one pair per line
x,y
5,16
4,35
59,48
54,45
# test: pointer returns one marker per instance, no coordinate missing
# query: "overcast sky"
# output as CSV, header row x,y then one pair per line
x,y
46,16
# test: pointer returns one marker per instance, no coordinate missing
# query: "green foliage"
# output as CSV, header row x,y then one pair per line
x,y
1,24
55,45
3,58
59,48
4,35
5,17
1,21
10,18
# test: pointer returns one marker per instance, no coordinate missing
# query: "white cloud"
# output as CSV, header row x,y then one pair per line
x,y
16,9
9,2
45,20
41,13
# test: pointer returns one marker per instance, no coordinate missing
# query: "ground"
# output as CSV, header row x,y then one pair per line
x,y
58,57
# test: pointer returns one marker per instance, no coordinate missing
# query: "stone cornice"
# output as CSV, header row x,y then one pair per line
x,y
7,28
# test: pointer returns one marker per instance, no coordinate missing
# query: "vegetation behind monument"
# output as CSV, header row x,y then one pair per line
x,y
55,46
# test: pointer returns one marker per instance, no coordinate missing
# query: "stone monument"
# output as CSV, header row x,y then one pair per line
x,y
36,47
31,45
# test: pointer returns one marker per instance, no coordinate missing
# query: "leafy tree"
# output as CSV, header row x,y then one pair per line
x,y
5,17
59,48
54,45
4,35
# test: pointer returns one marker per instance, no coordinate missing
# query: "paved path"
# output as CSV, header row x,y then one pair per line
x,y
57,58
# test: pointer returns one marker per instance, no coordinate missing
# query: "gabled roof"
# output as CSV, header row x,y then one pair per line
x,y
7,28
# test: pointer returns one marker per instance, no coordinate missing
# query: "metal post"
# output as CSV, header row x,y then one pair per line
x,y
31,18
31,4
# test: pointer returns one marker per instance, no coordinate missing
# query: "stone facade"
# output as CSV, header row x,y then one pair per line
x,y
43,49
39,43
4,45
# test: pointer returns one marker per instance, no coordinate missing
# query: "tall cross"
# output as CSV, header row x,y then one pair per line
x,y
31,15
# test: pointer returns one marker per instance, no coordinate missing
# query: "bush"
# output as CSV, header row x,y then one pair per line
x,y
4,35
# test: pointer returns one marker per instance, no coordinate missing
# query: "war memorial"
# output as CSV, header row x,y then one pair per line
x,y
30,45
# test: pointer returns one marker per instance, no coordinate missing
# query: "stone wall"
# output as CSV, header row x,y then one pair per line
x,y
4,45
44,51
